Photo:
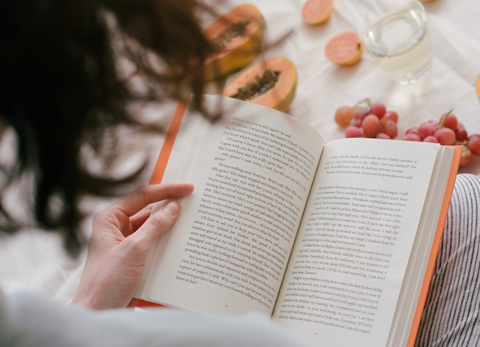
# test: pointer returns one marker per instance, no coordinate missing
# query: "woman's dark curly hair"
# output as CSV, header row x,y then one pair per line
x,y
60,88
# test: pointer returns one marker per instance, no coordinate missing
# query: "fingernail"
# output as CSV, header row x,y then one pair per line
x,y
171,208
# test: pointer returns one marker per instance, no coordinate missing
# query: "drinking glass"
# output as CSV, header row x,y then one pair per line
x,y
398,40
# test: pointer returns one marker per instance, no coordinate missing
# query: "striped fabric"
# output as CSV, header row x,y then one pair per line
x,y
452,312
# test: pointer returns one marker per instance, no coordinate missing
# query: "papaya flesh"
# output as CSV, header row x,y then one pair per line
x,y
316,12
237,39
344,49
271,83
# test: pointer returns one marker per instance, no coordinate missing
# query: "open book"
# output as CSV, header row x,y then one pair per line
x,y
336,242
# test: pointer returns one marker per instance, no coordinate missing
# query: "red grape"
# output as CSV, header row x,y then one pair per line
x,y
445,136
467,157
370,126
344,115
461,133
356,122
390,128
383,136
430,139
435,124
363,114
357,110
427,129
450,121
474,144
413,131
392,115
353,131
378,109
411,137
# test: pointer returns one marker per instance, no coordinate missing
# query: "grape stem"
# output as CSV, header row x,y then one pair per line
x,y
368,101
443,118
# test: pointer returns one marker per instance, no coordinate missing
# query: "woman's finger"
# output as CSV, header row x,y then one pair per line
x,y
132,203
157,224
139,218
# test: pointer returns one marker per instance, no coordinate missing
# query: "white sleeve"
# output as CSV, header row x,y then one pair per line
x,y
32,320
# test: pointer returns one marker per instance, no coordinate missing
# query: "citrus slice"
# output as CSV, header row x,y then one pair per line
x,y
344,49
317,11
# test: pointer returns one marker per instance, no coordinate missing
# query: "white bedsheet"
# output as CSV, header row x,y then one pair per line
x,y
35,261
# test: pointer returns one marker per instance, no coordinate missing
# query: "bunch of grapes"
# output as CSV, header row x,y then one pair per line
x,y
448,131
373,121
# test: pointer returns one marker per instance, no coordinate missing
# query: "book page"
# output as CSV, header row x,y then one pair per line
x,y
353,247
252,171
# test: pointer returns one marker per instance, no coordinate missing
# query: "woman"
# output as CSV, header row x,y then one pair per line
x,y
61,91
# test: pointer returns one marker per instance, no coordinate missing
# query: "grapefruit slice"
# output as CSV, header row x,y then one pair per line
x,y
237,37
344,49
271,83
317,11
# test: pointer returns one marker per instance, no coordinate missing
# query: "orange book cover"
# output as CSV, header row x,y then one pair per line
x,y
435,247
161,165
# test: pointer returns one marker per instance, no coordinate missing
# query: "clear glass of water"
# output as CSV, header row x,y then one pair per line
x,y
397,37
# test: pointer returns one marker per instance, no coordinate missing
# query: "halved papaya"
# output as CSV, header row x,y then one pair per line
x,y
237,37
271,83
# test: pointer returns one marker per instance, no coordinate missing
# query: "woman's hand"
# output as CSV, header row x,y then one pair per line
x,y
121,238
